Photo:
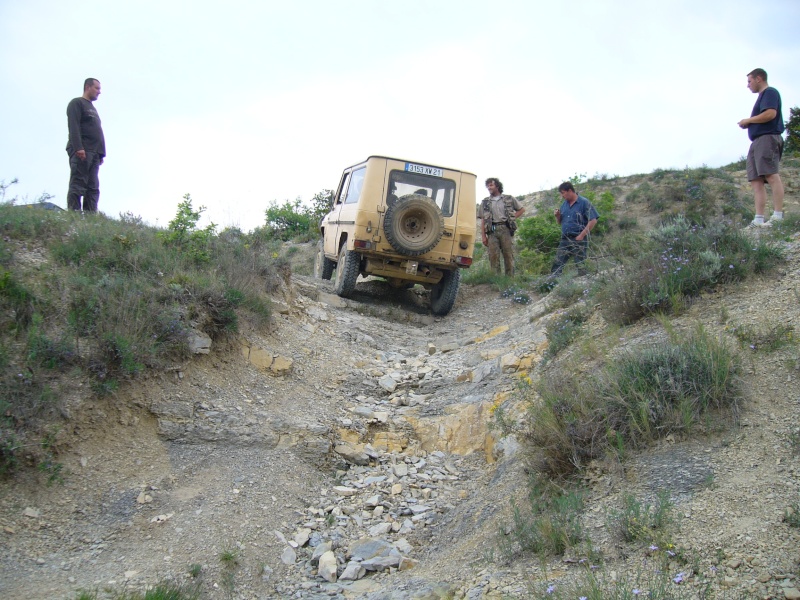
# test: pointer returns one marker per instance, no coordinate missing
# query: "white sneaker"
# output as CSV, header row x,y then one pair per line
x,y
773,219
753,224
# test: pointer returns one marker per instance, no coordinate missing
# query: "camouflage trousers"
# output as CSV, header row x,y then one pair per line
x,y
500,241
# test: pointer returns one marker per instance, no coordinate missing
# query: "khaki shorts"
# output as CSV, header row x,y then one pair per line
x,y
764,156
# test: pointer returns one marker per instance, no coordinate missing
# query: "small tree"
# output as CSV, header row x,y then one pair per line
x,y
793,131
183,233
321,205
288,220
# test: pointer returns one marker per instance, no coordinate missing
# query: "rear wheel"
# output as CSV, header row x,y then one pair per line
x,y
323,266
443,294
347,270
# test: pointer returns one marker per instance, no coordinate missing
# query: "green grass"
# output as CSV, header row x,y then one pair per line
x,y
161,591
643,522
767,338
651,580
564,328
638,396
676,262
547,523
111,299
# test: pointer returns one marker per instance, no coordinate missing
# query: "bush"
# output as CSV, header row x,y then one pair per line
x,y
182,232
644,394
638,521
116,298
564,328
539,233
549,522
294,221
793,132
678,261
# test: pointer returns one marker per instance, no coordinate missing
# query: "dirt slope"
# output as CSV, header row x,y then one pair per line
x,y
220,456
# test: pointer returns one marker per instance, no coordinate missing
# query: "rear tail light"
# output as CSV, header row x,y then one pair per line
x,y
463,261
362,244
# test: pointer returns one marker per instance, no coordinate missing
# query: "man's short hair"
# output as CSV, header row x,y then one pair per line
x,y
758,73
566,187
88,83
496,183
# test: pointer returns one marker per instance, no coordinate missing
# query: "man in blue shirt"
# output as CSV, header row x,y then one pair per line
x,y
577,218
764,128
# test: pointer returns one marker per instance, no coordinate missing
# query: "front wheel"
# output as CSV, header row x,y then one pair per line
x,y
443,294
347,270
323,266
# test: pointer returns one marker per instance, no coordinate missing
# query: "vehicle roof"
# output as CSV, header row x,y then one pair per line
x,y
409,161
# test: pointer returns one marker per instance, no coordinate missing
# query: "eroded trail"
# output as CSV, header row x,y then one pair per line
x,y
348,421
352,438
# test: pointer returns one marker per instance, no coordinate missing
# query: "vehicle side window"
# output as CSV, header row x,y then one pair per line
x,y
343,189
356,183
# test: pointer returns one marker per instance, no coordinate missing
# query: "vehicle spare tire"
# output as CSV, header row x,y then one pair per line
x,y
413,225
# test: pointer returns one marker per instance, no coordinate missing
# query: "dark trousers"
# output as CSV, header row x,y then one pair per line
x,y
83,182
570,247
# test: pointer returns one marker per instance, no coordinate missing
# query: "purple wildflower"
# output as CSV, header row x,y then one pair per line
x,y
678,578
551,588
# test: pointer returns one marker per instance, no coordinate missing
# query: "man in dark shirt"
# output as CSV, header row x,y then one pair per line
x,y
764,128
86,148
577,218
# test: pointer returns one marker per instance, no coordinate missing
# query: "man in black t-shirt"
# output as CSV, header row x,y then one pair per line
x,y
86,148
764,128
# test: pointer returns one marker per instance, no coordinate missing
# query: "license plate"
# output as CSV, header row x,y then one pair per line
x,y
423,170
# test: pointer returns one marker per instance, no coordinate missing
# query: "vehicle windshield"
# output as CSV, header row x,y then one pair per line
x,y
442,191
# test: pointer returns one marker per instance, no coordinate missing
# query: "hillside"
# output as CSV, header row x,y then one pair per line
x,y
359,432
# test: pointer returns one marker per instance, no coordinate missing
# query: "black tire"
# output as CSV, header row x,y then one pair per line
x,y
443,294
323,266
347,270
413,225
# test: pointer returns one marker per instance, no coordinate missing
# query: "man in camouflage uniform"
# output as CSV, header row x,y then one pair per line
x,y
499,213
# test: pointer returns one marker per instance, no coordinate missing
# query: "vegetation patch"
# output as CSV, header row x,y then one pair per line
x,y
678,260
109,299
547,523
645,393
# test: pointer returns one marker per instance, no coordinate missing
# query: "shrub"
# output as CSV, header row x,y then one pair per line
x,y
678,261
17,299
605,207
637,521
642,192
548,523
539,233
564,328
641,395
165,590
793,132
764,337
182,232
288,221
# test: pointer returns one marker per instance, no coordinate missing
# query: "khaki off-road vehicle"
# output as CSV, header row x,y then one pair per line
x,y
406,222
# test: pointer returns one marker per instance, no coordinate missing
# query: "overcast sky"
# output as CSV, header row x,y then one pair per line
x,y
244,102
